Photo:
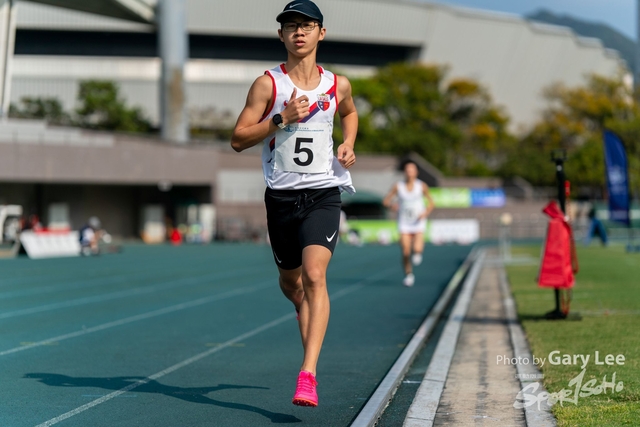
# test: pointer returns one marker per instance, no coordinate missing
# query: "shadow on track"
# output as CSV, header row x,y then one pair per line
x,y
193,394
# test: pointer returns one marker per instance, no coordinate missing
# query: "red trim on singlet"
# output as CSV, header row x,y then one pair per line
x,y
313,110
320,69
273,97
272,144
335,90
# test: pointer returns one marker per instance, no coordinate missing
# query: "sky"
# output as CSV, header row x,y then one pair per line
x,y
619,14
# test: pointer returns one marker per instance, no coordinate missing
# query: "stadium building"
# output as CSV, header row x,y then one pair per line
x,y
231,43
70,174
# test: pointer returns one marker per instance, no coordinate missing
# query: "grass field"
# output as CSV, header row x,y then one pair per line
x,y
607,297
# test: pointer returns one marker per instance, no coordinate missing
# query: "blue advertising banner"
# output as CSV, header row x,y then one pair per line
x,y
615,159
488,198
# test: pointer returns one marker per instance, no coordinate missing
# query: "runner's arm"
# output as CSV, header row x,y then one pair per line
x,y
349,122
249,131
392,193
430,206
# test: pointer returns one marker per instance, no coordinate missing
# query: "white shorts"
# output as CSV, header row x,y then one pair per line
x,y
412,227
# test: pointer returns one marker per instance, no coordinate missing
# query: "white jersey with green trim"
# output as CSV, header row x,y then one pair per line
x,y
301,156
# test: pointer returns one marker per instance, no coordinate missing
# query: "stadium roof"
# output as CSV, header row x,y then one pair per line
x,y
130,10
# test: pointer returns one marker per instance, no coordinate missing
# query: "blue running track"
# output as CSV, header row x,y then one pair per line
x,y
198,336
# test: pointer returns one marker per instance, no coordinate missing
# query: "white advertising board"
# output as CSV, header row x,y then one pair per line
x,y
461,231
50,245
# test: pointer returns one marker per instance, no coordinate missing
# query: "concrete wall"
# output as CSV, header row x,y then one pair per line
x,y
100,174
26,158
114,177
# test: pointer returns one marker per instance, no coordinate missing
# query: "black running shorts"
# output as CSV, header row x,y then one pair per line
x,y
300,218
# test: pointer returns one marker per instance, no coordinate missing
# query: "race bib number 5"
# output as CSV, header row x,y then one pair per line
x,y
303,148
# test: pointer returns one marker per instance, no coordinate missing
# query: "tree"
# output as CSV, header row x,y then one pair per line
x,y
410,107
103,109
574,120
49,109
209,123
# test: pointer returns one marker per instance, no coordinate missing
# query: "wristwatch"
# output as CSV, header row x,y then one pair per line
x,y
277,120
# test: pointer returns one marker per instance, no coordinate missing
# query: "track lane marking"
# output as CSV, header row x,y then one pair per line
x,y
204,354
130,319
115,295
143,316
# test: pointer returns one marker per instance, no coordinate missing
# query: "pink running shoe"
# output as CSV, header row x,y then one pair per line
x,y
306,390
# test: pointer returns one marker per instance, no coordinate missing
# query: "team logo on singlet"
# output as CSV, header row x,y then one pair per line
x,y
324,101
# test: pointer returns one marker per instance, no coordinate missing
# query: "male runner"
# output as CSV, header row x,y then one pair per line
x,y
412,217
291,108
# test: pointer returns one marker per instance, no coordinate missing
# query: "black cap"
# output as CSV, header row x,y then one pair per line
x,y
303,7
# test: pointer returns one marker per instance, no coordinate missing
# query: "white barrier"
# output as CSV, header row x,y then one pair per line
x,y
50,245
461,231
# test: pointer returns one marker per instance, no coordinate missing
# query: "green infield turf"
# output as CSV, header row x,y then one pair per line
x,y
607,298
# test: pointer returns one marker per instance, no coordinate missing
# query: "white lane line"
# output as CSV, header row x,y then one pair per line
x,y
166,371
143,316
115,295
84,284
377,403
170,309
202,355
422,411
98,278
130,267
86,300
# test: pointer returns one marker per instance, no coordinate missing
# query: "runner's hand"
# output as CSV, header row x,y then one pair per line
x,y
346,156
296,108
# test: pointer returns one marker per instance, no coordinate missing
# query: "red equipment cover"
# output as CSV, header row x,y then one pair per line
x,y
558,258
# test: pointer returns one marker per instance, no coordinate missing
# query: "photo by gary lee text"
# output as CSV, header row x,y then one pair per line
x,y
558,358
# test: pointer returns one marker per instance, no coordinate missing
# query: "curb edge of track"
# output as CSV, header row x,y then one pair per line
x,y
541,417
425,403
380,399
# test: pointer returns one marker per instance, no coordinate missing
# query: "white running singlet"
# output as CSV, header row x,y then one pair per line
x,y
411,207
301,156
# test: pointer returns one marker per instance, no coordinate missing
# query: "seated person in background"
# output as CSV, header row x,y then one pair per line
x,y
90,235
33,223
